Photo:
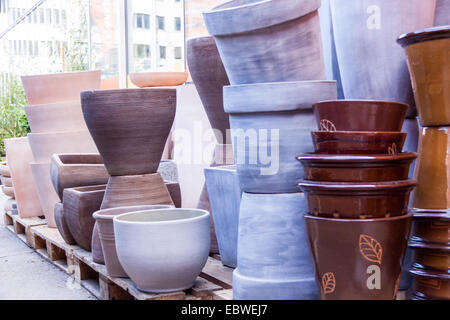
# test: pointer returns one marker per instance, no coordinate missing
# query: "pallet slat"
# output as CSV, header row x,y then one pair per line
x,y
22,226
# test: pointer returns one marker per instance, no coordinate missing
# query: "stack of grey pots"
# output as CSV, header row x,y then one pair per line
x,y
272,54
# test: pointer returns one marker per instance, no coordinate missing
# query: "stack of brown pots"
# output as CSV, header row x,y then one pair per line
x,y
429,64
357,190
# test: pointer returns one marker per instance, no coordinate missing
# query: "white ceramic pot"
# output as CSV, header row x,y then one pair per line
x,y
163,250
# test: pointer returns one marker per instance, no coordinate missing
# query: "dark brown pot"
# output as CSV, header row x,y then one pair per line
x,y
209,77
431,228
357,200
130,126
175,192
429,285
431,256
358,259
61,224
360,115
356,168
79,205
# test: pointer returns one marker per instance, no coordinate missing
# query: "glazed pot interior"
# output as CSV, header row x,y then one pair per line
x,y
161,215
81,159
110,213
91,188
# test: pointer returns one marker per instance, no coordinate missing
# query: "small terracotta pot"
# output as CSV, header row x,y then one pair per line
x,y
365,200
358,259
59,87
356,168
61,224
75,170
8,191
358,142
429,285
428,63
158,79
4,170
442,15
79,205
431,228
360,115
104,219
431,256
7,182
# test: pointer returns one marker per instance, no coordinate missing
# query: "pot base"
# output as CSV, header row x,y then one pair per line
x,y
164,290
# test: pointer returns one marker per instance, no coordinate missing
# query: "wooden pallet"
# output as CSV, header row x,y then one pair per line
x,y
22,226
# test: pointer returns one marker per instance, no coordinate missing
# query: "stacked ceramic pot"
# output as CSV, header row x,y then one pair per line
x,y
358,190
428,60
272,54
7,186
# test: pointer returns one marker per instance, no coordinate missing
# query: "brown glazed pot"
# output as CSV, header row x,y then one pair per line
x,y
158,79
61,224
358,259
140,135
360,115
104,219
79,205
175,192
209,77
71,170
366,200
356,168
4,170
428,63
358,142
429,285
431,256
59,87
429,227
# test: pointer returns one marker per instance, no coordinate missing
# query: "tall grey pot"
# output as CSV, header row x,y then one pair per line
x,y
274,260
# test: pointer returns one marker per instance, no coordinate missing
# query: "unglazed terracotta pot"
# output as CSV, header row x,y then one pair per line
x,y
104,219
244,28
359,115
70,170
61,224
19,156
225,198
158,79
431,228
428,63
56,117
59,87
356,168
273,258
358,259
140,136
163,250
431,256
4,170
362,200
79,205
8,191
429,285
358,142
442,15
47,194
371,65
209,77
271,124
7,182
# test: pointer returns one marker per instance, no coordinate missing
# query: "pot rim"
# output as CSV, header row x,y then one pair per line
x,y
86,94
352,158
79,190
53,104
346,220
59,74
308,185
159,72
438,214
205,214
442,275
357,101
102,214
416,244
423,35
57,160
359,133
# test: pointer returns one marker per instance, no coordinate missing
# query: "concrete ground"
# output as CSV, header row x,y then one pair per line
x,y
24,275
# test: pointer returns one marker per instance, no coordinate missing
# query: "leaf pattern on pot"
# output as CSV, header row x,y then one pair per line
x,y
327,125
370,248
392,149
328,283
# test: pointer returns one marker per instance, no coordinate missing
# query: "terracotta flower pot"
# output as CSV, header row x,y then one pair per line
x,y
76,170
356,168
56,117
59,87
366,31
359,115
358,142
273,258
358,259
271,124
19,156
431,228
104,219
431,256
363,200
429,285
79,205
428,63
244,28
163,250
442,15
7,182
8,191
47,194
140,136
209,77
158,79
61,224
4,170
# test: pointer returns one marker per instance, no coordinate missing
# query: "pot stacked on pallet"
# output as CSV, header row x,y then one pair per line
x,y
358,189
429,65
7,186
272,54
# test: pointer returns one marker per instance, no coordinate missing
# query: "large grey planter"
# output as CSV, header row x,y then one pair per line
x,y
270,125
274,260
442,15
225,198
372,65
268,40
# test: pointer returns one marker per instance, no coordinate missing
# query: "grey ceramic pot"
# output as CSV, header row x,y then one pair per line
x,y
225,199
270,125
268,41
442,15
372,65
274,260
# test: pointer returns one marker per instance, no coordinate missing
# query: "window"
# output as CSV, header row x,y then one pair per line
x,y
177,24
41,15
142,21
161,23
48,13
2,6
36,48
142,51
177,52
29,18
30,47
35,17
162,52
15,47
56,13
58,48
63,17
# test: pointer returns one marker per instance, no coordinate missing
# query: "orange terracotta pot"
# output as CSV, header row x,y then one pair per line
x,y
4,170
158,79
